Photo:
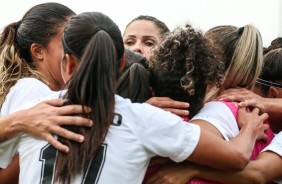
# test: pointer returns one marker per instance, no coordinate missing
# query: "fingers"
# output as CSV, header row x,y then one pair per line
x,y
68,109
73,109
246,103
243,110
70,120
255,110
57,102
67,134
264,116
178,112
160,98
175,104
175,107
165,102
262,135
73,120
54,142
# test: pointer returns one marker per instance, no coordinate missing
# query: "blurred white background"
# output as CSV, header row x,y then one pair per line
x,y
202,14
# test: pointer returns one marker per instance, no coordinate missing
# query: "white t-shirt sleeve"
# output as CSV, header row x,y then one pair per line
x,y
221,117
276,147
166,134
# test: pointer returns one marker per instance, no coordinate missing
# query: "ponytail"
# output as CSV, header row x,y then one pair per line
x,y
12,65
247,59
242,51
92,85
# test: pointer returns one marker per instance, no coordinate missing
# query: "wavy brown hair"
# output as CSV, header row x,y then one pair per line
x,y
183,65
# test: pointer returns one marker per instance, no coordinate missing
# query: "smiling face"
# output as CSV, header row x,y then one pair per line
x,y
142,36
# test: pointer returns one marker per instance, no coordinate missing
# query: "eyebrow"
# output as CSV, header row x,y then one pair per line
x,y
146,36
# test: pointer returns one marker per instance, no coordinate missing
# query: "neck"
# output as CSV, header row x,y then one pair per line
x,y
54,86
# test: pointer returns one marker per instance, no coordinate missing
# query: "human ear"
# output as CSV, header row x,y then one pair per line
x,y
71,64
274,92
36,51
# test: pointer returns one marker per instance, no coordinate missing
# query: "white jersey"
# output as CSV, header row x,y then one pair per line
x,y
25,90
276,147
220,116
139,132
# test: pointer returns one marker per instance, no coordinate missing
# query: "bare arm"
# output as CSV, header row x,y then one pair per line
x,y
165,103
44,120
234,155
265,169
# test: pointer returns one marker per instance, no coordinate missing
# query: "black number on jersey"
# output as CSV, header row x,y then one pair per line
x,y
117,120
92,175
94,170
47,157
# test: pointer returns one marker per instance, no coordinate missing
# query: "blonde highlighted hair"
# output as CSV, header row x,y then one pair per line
x,y
243,53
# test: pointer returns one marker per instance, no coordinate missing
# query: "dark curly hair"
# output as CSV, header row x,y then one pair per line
x,y
183,65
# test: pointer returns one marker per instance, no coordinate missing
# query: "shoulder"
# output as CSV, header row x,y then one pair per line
x,y
30,83
30,86
217,110
25,90
221,117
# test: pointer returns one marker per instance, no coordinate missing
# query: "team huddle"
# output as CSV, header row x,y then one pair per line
x,y
83,103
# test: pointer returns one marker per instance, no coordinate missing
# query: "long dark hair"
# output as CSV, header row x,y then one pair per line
x,y
38,25
96,41
134,84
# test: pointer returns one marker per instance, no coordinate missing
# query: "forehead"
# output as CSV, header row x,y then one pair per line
x,y
142,28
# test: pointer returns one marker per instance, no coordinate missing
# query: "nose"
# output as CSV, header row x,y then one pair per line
x,y
138,48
